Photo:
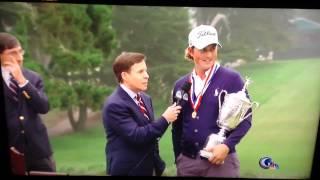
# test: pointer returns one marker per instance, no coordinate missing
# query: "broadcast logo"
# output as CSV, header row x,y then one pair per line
x,y
268,163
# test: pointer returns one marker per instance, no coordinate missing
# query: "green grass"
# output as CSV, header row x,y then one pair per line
x,y
81,153
283,127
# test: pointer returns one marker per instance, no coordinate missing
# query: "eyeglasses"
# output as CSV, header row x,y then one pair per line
x,y
16,52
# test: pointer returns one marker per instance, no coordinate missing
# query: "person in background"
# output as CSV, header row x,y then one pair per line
x,y
25,99
128,117
198,117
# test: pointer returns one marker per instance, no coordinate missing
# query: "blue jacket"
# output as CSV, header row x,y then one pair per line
x,y
132,139
24,115
189,135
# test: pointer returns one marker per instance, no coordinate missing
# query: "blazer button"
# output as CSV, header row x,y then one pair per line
x,y
21,117
197,144
196,130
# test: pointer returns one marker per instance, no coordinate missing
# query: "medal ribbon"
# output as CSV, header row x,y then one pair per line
x,y
195,105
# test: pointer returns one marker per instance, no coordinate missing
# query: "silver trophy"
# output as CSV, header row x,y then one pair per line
x,y
231,113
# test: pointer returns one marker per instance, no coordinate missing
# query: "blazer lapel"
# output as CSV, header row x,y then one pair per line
x,y
125,96
7,92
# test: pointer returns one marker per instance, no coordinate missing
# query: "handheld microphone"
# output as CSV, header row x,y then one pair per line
x,y
182,94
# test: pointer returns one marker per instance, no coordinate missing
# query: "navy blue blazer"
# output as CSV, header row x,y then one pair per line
x,y
132,139
24,116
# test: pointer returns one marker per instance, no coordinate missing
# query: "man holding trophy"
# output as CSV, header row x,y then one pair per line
x,y
215,116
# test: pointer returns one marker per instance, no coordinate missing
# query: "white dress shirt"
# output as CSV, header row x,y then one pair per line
x,y
130,93
6,77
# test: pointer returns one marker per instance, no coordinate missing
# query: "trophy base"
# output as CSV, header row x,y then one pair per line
x,y
206,154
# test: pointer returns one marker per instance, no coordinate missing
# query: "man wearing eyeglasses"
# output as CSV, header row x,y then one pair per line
x,y
30,149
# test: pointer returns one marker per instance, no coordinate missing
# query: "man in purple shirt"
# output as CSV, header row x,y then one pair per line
x,y
198,117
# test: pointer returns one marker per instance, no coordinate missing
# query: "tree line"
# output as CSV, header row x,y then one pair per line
x,y
73,45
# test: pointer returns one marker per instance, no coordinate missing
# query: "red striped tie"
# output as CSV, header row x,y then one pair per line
x,y
13,86
142,107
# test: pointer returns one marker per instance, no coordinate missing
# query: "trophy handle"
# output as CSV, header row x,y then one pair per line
x,y
219,98
254,106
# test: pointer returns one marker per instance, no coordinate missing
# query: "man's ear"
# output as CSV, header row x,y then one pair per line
x,y
190,50
124,75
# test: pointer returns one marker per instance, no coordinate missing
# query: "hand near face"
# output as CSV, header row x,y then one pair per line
x,y
14,68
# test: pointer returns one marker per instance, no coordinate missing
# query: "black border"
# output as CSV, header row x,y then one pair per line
x,y
296,4
315,172
4,150
306,4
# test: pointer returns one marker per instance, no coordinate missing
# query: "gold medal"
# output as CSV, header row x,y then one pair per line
x,y
194,114
196,99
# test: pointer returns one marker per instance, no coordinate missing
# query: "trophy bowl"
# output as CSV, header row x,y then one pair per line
x,y
232,112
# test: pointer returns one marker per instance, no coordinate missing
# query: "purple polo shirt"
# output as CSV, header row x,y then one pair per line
x,y
189,135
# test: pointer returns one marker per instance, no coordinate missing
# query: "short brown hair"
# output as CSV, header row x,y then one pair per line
x,y
187,55
124,62
8,41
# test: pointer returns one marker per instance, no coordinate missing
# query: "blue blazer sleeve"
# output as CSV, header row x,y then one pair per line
x,y
240,131
122,121
34,93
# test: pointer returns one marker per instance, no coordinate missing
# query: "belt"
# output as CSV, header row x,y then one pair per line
x,y
193,156
190,155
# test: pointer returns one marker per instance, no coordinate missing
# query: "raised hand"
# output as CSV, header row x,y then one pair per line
x,y
14,68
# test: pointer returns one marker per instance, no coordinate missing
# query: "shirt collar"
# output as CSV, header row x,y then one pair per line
x,y
5,73
128,91
194,74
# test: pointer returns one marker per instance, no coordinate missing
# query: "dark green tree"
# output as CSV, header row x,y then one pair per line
x,y
11,12
75,41
158,32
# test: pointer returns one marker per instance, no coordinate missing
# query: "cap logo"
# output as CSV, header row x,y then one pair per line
x,y
205,33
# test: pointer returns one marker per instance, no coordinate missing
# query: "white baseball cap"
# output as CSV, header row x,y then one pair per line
x,y
202,36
